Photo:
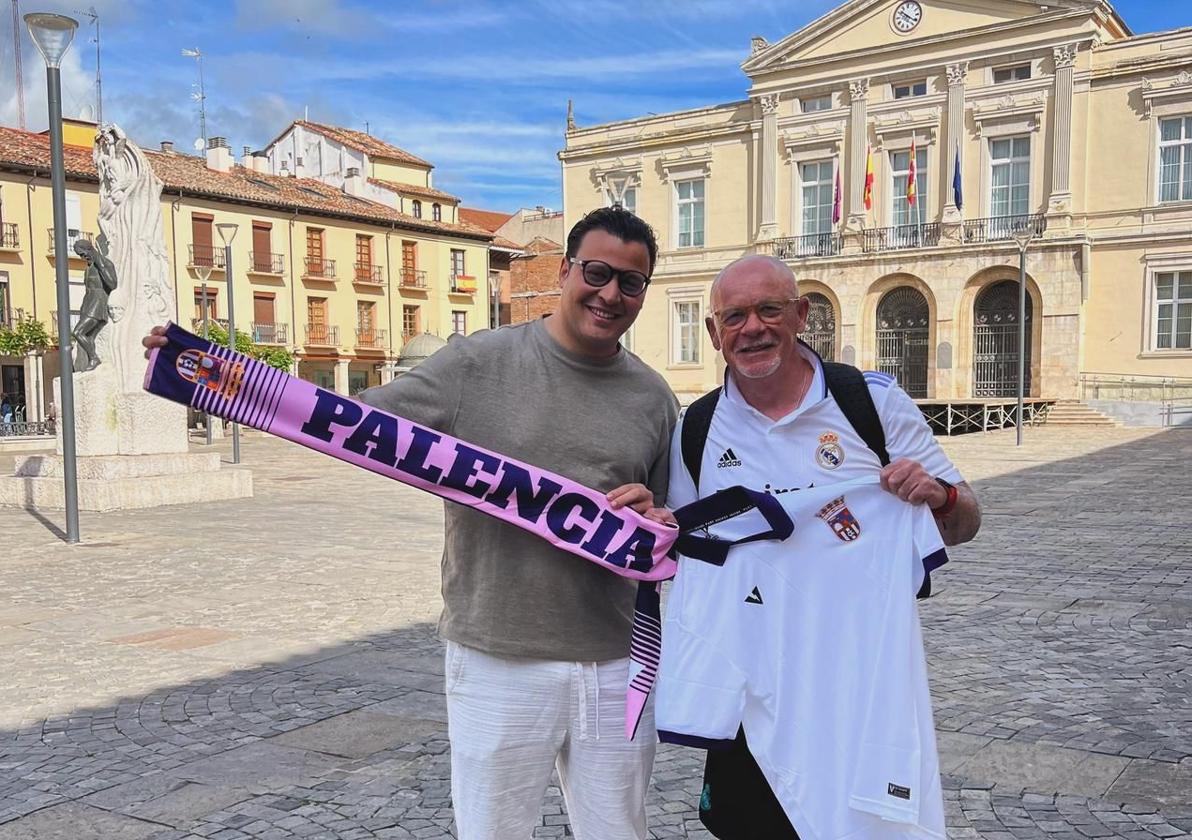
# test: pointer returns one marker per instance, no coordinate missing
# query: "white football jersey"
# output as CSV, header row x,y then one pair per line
x,y
813,646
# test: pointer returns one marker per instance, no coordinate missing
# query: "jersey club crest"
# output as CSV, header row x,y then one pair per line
x,y
840,519
829,454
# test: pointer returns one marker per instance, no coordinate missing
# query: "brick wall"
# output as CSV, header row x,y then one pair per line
x,y
534,284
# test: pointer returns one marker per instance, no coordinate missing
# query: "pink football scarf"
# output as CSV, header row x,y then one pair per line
x,y
568,515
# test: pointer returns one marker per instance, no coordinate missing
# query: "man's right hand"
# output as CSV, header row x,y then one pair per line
x,y
156,338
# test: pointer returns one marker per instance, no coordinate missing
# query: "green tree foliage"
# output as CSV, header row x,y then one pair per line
x,y
277,357
23,337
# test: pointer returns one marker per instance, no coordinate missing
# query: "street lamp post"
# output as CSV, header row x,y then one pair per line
x,y
227,233
53,34
1022,236
204,272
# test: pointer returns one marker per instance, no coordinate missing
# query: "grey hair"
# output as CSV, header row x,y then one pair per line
x,y
777,265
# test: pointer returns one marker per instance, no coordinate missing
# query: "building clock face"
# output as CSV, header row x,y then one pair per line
x,y
907,16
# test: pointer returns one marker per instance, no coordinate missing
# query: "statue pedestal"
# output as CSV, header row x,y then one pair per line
x,y
125,482
132,453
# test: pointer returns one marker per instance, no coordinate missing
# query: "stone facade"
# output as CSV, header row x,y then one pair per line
x,y
1059,120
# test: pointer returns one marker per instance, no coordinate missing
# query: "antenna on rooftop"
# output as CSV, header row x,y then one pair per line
x,y
16,51
200,96
94,15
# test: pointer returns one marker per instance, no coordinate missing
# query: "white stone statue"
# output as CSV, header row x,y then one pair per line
x,y
130,218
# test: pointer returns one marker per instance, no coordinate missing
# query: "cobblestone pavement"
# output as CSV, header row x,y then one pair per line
x,y
269,669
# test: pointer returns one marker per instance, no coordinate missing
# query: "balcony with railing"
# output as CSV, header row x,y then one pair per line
x,y
370,274
9,318
72,236
322,335
270,333
800,247
900,238
1003,228
196,324
205,256
463,284
368,338
318,269
10,237
264,262
411,278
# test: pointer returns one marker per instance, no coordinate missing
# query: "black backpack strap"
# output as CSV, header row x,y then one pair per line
x,y
697,420
848,388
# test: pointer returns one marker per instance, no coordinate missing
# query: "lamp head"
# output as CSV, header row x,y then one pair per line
x,y
227,231
204,272
52,34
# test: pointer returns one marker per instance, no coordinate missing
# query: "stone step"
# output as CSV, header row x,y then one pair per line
x,y
1077,413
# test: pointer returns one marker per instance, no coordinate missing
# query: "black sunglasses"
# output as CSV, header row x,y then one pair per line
x,y
597,273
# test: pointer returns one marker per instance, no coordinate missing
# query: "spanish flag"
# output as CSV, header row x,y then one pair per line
x,y
868,178
912,178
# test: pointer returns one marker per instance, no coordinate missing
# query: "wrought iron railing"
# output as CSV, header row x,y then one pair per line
x,y
412,278
270,333
1002,228
197,324
370,338
264,262
900,237
72,236
322,269
322,335
11,317
206,256
10,235
19,428
369,273
799,247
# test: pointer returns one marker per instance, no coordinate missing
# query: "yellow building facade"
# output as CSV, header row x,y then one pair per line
x,y
340,278
1014,117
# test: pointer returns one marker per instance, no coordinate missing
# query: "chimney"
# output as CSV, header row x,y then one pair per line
x,y
219,156
260,162
167,145
354,181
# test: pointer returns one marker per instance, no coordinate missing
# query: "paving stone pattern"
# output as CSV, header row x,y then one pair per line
x,y
269,668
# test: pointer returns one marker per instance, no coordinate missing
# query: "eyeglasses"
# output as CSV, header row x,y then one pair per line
x,y
598,273
768,311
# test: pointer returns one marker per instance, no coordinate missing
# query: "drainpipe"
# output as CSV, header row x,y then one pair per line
x,y
174,207
1086,271
293,284
389,286
29,226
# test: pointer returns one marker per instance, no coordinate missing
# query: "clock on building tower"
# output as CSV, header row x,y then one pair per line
x,y
907,16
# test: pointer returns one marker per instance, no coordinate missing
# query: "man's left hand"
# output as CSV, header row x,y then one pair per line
x,y
635,496
907,480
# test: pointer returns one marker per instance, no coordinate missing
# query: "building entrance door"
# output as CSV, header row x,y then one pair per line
x,y
12,394
902,335
995,342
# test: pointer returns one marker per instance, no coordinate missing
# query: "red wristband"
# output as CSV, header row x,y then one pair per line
x,y
950,503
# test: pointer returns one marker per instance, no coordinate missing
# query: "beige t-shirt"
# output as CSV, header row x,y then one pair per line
x,y
602,423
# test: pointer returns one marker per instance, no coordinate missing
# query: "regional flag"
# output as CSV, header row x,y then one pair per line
x,y
957,192
912,177
836,200
868,178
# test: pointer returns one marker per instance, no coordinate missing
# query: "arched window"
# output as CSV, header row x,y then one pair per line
x,y
417,205
821,326
436,212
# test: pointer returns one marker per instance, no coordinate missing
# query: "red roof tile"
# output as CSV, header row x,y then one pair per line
x,y
25,151
490,220
364,143
410,189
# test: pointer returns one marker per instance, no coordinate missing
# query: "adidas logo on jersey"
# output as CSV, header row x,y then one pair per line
x,y
754,597
728,459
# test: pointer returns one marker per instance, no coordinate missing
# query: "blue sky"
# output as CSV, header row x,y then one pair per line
x,y
479,88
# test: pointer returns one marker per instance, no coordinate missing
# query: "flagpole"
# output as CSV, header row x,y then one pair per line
x,y
918,206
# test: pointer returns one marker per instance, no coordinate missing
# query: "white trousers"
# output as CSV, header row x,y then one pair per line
x,y
512,720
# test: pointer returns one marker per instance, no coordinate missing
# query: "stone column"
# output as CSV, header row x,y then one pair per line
x,y
954,139
1060,199
341,376
769,150
35,410
858,131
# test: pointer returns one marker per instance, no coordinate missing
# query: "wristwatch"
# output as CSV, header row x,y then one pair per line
x,y
953,494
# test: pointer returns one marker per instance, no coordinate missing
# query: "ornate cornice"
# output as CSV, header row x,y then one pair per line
x,y
924,120
814,134
1178,89
1027,108
687,159
757,44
